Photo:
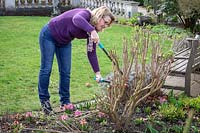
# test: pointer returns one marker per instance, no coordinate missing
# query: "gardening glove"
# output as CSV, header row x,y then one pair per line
x,y
98,77
95,37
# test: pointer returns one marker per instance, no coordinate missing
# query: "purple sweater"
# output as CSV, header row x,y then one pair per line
x,y
74,24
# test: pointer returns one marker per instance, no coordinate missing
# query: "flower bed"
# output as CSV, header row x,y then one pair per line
x,y
148,117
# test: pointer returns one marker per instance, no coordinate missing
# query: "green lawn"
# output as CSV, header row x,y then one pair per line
x,y
20,62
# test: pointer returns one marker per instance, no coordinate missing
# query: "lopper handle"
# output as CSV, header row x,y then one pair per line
x,y
104,50
101,45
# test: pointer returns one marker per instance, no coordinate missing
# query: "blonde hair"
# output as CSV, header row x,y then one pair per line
x,y
99,13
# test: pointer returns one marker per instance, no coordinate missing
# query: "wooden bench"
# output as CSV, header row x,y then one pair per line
x,y
185,66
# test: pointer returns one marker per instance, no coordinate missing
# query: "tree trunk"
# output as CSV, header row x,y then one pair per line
x,y
190,23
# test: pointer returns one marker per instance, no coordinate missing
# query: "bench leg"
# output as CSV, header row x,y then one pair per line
x,y
187,84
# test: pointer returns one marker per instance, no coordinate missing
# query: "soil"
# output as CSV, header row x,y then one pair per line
x,y
142,121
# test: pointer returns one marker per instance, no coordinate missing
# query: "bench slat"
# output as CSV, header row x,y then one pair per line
x,y
179,62
183,52
187,48
181,57
179,66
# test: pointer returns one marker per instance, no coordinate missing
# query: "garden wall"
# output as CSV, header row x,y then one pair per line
x,y
39,11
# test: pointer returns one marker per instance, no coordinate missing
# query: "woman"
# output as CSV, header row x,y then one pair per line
x,y
56,37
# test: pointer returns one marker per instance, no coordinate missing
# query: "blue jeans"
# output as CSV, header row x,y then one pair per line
x,y
48,48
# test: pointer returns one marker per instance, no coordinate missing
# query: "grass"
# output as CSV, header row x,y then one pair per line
x,y
20,62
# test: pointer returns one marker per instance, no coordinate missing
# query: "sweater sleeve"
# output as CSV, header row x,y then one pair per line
x,y
92,56
81,20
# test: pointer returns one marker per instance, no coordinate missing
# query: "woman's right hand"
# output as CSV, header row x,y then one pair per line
x,y
95,37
